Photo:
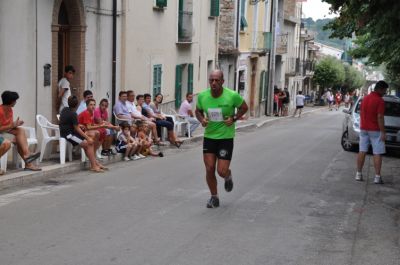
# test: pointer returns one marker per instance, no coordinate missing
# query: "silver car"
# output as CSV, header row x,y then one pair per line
x,y
351,124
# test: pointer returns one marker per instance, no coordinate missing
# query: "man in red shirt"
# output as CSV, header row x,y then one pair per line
x,y
372,125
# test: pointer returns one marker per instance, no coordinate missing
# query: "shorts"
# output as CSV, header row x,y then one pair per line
x,y
299,107
372,138
74,139
121,147
222,148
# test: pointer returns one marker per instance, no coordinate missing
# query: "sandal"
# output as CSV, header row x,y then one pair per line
x,y
32,157
32,169
99,170
178,143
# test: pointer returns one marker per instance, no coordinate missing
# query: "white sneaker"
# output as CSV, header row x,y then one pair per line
x,y
127,158
141,156
378,180
135,157
359,176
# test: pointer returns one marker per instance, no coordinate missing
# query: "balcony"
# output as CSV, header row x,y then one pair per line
x,y
281,44
185,27
292,66
309,67
261,41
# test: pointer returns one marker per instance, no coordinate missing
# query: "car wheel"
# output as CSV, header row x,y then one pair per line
x,y
346,144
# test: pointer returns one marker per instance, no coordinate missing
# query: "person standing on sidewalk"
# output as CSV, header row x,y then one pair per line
x,y
216,112
372,125
299,103
64,87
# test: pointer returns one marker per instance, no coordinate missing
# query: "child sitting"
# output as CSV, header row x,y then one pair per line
x,y
126,144
146,141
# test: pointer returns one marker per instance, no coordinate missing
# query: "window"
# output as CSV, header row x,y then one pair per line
x,y
178,85
157,73
214,8
185,21
243,21
161,3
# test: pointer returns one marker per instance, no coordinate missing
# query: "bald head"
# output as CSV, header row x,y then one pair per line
x,y
217,73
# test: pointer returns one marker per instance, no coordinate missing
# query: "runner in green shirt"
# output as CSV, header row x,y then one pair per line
x,y
216,112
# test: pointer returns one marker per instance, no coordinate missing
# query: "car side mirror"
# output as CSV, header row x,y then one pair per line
x,y
347,111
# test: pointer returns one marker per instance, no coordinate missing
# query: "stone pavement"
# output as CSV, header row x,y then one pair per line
x,y
52,168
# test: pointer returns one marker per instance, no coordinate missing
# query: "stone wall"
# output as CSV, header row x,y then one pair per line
x,y
227,25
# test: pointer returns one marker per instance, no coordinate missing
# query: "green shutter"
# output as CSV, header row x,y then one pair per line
x,y
190,78
180,19
214,11
157,72
161,3
266,84
261,91
178,86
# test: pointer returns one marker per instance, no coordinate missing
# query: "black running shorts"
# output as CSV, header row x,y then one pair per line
x,y
222,148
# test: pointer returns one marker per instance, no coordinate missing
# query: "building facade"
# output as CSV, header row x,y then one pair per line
x,y
169,47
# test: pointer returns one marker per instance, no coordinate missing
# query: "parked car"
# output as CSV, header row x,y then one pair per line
x,y
351,124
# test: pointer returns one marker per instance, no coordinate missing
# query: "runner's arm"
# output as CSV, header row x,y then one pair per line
x,y
200,117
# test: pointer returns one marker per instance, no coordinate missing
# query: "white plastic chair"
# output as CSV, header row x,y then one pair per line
x,y
181,124
3,162
51,132
119,120
31,139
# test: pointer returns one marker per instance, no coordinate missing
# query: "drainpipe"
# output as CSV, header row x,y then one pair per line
x,y
269,102
114,55
36,60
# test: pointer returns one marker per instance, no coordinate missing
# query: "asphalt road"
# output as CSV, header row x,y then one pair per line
x,y
294,202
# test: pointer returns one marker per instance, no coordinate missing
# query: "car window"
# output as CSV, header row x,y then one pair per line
x,y
392,109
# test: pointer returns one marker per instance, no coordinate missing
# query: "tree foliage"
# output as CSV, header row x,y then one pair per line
x,y
353,78
329,72
375,23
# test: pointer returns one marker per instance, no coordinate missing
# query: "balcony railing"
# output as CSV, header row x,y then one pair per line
x,y
308,68
292,66
185,27
261,41
282,43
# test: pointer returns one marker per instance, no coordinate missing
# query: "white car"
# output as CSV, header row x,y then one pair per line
x,y
351,124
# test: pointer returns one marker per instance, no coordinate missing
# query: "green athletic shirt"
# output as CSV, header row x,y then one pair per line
x,y
217,110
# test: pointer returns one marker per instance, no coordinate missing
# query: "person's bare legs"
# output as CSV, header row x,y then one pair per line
x,y
107,142
89,151
377,164
209,162
22,144
294,114
300,112
4,147
360,161
223,168
153,128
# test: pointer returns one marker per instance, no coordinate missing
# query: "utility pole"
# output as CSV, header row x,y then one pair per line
x,y
269,102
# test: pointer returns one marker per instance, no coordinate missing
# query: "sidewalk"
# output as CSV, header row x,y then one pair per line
x,y
52,168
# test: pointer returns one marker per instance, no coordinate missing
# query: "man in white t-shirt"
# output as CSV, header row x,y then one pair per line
x,y
299,103
64,87
87,94
186,111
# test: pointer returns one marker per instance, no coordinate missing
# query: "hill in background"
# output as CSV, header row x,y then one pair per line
x,y
322,35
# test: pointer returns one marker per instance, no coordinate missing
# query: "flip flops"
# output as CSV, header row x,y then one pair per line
x,y
97,170
32,157
32,169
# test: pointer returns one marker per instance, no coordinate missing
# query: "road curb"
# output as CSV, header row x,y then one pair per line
x,y
21,178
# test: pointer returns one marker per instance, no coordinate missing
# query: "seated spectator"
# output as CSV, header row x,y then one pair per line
x,y
126,144
145,140
5,145
121,108
64,87
154,111
101,118
96,131
186,111
138,116
70,130
10,126
87,94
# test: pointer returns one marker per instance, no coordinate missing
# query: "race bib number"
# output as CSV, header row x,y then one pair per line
x,y
215,114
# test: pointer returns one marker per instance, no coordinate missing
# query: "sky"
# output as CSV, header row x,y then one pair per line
x,y
316,9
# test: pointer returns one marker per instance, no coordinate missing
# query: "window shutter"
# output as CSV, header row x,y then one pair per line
x,y
178,86
190,78
161,3
261,91
157,72
266,84
243,21
214,11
